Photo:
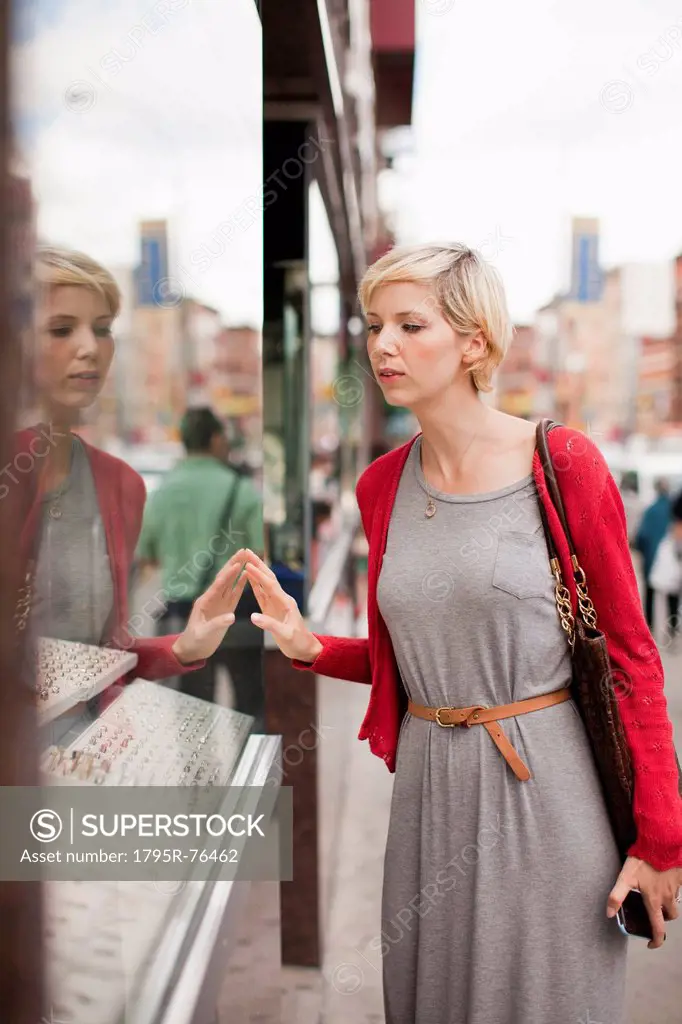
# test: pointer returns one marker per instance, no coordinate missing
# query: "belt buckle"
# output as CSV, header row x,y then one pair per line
x,y
445,725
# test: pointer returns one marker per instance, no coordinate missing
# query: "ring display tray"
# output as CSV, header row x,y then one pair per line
x,y
70,673
153,736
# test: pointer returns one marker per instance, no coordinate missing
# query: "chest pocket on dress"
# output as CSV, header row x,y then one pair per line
x,y
522,565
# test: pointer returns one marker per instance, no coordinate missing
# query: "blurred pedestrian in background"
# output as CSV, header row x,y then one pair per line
x,y
676,513
629,492
653,528
204,511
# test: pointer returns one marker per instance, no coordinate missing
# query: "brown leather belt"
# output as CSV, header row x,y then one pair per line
x,y
480,714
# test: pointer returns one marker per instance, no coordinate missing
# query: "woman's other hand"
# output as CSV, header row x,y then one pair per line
x,y
212,613
280,614
659,890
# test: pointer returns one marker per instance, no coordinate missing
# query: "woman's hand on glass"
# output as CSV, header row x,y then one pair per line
x,y
659,890
280,614
212,613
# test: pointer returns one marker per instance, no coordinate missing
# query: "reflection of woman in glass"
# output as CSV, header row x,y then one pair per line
x,y
84,507
501,870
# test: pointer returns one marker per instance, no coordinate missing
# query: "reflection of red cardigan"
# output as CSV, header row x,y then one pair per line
x,y
596,519
121,496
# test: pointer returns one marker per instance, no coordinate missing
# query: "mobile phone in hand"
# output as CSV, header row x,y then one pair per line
x,y
633,918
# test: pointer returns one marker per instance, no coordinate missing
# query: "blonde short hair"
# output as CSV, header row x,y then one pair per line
x,y
468,290
54,267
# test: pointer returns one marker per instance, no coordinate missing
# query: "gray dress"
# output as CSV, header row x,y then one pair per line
x,y
74,591
494,900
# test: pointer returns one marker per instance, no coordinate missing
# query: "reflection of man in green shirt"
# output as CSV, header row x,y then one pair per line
x,y
202,512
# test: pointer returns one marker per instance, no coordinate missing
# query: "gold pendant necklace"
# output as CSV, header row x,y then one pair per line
x,y
54,507
431,508
54,511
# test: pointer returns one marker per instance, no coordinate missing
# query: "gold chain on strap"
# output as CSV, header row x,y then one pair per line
x,y
562,597
587,609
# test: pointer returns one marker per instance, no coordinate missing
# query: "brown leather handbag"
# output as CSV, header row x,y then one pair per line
x,y
595,690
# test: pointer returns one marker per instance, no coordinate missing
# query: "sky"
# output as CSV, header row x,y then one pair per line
x,y
123,115
526,115
523,117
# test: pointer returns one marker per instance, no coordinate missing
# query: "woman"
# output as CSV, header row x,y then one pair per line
x,y
498,893
83,507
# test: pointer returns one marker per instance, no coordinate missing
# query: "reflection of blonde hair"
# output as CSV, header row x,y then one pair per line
x,y
467,290
55,267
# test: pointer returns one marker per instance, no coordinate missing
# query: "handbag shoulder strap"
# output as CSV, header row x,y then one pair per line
x,y
542,446
542,441
223,521
586,609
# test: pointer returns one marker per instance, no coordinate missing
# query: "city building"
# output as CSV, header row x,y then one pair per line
x,y
546,358
235,391
604,354
516,381
172,352
655,386
583,367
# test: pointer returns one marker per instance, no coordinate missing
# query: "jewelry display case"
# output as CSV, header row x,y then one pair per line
x,y
153,736
70,673
149,952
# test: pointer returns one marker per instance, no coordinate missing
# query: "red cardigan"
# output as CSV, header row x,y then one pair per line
x,y
121,495
596,519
